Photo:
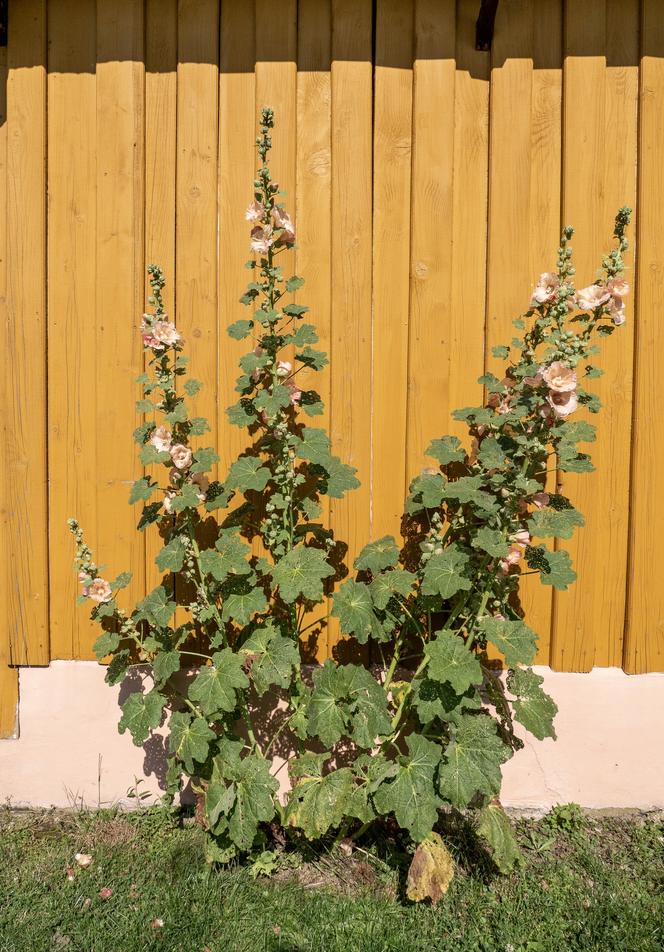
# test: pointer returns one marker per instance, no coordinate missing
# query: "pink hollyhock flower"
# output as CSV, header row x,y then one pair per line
x,y
295,392
282,219
83,576
563,403
558,377
546,288
616,311
261,239
284,367
256,374
500,402
540,500
162,439
521,537
255,211
512,558
166,333
99,590
105,892
594,296
181,456
168,501
618,287
203,483
533,381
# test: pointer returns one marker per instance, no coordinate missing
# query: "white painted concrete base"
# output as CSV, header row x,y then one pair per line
x,y
609,752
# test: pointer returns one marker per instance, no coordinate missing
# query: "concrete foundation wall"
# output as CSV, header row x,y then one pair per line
x,y
609,752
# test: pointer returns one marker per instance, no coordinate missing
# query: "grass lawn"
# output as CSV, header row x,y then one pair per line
x,y
586,884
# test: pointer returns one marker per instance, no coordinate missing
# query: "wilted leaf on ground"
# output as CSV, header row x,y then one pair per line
x,y
431,870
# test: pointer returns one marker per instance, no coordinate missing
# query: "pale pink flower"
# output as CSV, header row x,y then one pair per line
x,y
533,381
83,859
256,374
594,296
181,456
616,311
157,924
203,483
174,475
512,558
540,500
282,219
149,340
71,874
162,439
546,288
500,402
559,377
166,333
284,367
105,892
295,392
261,238
255,211
520,537
563,403
168,501
618,287
83,576
99,590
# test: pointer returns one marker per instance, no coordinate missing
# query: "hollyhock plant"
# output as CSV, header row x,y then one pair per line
x,y
250,561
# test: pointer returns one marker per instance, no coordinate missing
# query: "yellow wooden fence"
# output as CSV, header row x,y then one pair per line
x,y
429,183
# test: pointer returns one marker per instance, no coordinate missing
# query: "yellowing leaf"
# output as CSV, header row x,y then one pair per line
x,y
431,871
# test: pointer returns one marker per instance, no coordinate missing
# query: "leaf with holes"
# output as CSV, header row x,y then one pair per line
x,y
451,662
215,687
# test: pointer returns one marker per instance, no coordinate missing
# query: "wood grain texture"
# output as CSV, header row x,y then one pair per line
x,y
120,285
196,197
8,675
72,304
644,630
393,112
161,45
25,340
524,196
313,219
431,251
588,620
350,351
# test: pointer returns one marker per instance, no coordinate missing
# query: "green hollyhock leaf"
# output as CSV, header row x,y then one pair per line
x,y
240,329
452,662
144,406
304,334
495,829
411,794
467,490
353,606
204,460
192,387
246,473
569,461
560,524
190,739
500,351
141,714
443,574
311,403
533,707
326,718
515,639
229,557
339,478
379,555
171,557
314,445
295,310
142,489
156,607
215,686
316,359
165,664
390,583
318,803
575,431
555,567
121,581
447,450
254,799
106,644
490,541
473,761
242,413
294,283
117,667
346,700
438,699
198,426
186,498
370,770
300,573
273,659
150,454
491,453
428,489
273,400
241,606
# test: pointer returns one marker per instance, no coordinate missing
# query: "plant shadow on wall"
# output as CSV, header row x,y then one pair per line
x,y
217,643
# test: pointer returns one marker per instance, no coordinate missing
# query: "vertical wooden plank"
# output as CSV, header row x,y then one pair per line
x,y
26,453
434,72
351,265
469,224
161,38
72,351
393,113
196,195
588,619
644,631
120,285
237,161
313,210
524,195
8,676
